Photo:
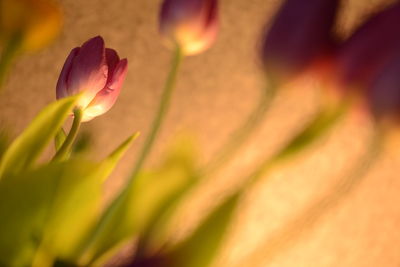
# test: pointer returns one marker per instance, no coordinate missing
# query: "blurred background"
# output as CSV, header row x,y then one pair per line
x,y
215,91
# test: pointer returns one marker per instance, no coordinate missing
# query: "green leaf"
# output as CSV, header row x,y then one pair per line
x,y
201,247
59,139
46,211
75,208
27,147
139,204
69,223
111,161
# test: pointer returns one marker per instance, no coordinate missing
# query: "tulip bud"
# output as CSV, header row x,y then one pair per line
x,y
36,22
97,73
190,24
300,33
369,48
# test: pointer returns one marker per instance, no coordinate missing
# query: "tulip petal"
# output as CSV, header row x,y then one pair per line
x,y
119,75
62,83
106,98
384,94
178,11
369,48
201,33
300,33
192,24
89,70
112,59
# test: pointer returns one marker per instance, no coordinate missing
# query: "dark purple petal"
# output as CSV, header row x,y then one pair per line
x,y
178,11
384,94
369,48
112,59
62,83
300,33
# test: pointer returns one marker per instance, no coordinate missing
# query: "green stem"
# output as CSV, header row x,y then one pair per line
x,y
307,219
242,133
320,125
65,149
9,52
160,115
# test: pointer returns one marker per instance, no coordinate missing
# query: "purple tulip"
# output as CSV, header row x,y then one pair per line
x,y
370,48
300,33
96,72
190,24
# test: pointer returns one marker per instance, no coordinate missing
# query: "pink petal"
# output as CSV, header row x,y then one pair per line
x,y
106,98
61,88
89,70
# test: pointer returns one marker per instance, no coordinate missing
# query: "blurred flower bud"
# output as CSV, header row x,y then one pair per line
x,y
191,24
35,22
97,73
299,35
369,48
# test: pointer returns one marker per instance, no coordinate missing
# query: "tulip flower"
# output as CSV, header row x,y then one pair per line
x,y
300,33
190,24
370,48
97,73
35,22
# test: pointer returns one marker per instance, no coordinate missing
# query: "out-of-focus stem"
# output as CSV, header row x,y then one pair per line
x,y
162,110
242,133
298,226
66,147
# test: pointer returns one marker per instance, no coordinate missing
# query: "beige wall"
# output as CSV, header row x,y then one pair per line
x,y
215,91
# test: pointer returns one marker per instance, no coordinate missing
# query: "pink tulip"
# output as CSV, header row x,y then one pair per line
x,y
190,24
97,73
368,49
300,33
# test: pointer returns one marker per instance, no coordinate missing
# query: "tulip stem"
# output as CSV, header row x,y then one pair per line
x,y
242,133
162,110
65,149
8,53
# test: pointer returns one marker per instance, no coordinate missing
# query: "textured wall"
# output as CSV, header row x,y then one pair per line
x,y
215,92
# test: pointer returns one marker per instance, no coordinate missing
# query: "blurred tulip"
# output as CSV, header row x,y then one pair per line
x,y
369,48
35,22
190,24
97,73
299,35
